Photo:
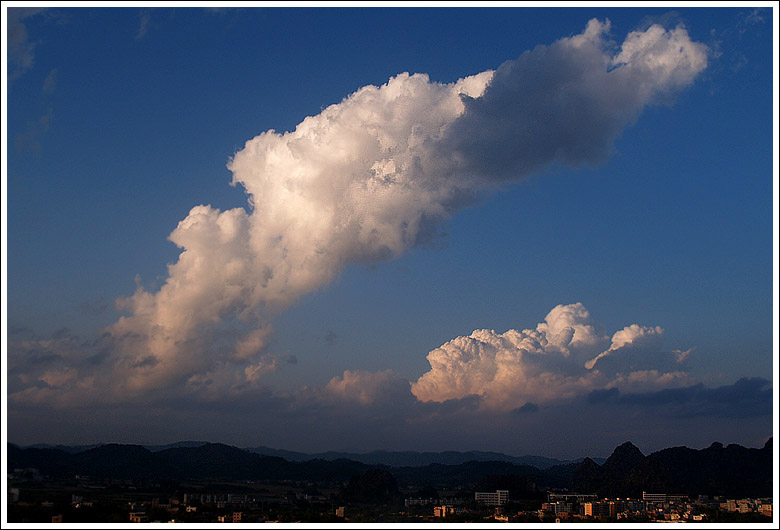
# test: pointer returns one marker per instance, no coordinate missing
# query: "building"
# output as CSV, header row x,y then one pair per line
x,y
139,517
497,498
571,497
340,511
602,510
654,497
633,505
615,507
418,502
663,498
558,508
443,511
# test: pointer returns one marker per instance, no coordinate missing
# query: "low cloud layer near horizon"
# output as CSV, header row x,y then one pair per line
x,y
362,182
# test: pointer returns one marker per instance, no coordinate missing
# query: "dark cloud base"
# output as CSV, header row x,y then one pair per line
x,y
312,420
748,397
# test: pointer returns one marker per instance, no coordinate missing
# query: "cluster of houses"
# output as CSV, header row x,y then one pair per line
x,y
568,506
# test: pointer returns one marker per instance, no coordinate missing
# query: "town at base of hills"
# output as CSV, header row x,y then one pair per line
x,y
218,483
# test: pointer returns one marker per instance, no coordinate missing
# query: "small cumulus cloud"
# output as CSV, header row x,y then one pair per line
x,y
631,337
367,388
681,356
54,370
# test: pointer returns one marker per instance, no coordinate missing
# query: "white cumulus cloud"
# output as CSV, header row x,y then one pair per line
x,y
632,336
552,362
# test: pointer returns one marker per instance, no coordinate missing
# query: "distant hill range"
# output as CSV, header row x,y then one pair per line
x,y
79,448
374,458
416,459
733,471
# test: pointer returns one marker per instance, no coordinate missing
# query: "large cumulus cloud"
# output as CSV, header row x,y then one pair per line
x,y
557,360
372,176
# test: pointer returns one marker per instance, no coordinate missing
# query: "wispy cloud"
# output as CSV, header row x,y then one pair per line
x,y
726,44
21,51
144,22
220,10
50,83
30,139
751,18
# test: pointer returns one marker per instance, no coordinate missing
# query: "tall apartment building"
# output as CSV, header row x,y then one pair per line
x,y
602,510
654,497
497,498
578,498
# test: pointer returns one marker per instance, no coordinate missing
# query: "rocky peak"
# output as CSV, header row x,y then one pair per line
x,y
624,457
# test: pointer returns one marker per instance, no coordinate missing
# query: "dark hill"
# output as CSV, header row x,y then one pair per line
x,y
227,462
470,474
586,476
187,443
733,471
211,461
120,462
54,461
375,486
624,458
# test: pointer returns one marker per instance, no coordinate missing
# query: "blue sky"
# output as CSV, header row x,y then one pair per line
x,y
121,120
